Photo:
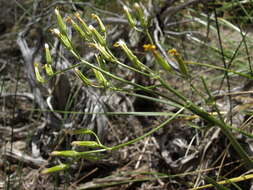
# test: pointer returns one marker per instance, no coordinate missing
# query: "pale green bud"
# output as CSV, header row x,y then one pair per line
x,y
90,144
81,32
83,24
130,55
48,55
64,39
100,78
37,73
161,60
48,65
61,24
99,38
141,15
65,153
129,16
107,55
84,79
49,69
182,65
57,168
100,23
80,132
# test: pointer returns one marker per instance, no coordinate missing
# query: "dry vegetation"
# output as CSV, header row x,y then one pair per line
x,y
35,118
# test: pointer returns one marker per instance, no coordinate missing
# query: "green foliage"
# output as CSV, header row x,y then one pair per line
x,y
108,80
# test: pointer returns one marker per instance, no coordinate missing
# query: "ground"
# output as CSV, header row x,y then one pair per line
x,y
177,156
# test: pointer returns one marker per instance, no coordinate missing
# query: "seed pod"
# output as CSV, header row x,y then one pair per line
x,y
66,153
129,16
136,62
161,61
99,38
81,32
141,15
64,39
107,55
100,78
48,55
100,23
57,168
49,69
84,79
48,65
90,144
60,22
101,62
83,24
37,73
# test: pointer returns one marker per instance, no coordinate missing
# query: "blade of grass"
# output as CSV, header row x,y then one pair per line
x,y
215,184
227,181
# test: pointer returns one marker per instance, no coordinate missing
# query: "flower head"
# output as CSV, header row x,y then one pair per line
x,y
173,52
149,47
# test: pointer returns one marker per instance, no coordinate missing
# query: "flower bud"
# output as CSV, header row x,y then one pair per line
x,y
48,65
90,144
149,47
64,39
83,34
49,69
84,79
107,55
182,65
65,153
37,73
81,132
83,24
48,55
100,23
61,24
57,168
161,61
136,62
100,78
129,16
141,15
99,38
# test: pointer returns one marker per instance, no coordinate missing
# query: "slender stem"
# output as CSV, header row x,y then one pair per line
x,y
150,132
206,116
80,154
149,36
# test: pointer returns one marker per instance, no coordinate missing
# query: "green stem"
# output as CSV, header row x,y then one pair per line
x,y
148,133
80,154
149,36
206,116
223,69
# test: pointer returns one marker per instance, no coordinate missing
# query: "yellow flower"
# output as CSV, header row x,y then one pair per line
x,y
149,47
173,52
180,61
